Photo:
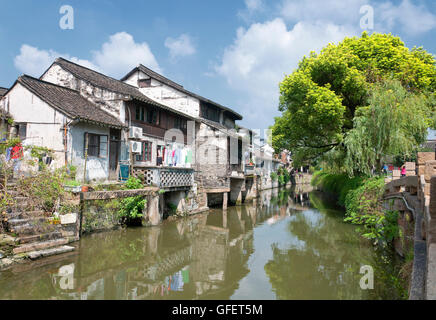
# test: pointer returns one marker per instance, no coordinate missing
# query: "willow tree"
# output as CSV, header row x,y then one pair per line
x,y
320,99
394,124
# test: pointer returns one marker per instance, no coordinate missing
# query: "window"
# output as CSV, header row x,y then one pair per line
x,y
146,152
180,124
209,112
144,83
140,111
152,116
21,130
144,115
97,145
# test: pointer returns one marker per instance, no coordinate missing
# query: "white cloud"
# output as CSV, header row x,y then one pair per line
x,y
180,47
408,17
255,63
340,12
261,55
115,58
121,53
34,61
253,5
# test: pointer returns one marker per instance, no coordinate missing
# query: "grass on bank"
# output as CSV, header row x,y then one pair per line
x,y
362,199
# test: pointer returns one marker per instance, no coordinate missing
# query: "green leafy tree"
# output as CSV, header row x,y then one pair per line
x,y
320,99
394,124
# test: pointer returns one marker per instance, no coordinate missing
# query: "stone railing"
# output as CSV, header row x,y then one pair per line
x,y
417,194
166,177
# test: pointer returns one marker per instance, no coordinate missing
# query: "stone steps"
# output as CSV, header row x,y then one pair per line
x,y
14,215
39,237
14,193
35,236
30,229
36,246
32,221
49,252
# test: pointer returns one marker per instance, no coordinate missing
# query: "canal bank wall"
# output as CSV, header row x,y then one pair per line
x,y
413,197
98,212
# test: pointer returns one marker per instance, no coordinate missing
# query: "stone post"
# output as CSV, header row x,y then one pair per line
x,y
430,170
422,158
410,169
431,220
153,213
225,200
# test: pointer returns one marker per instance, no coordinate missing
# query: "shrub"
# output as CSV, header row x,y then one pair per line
x,y
362,199
364,207
45,189
273,176
338,184
131,208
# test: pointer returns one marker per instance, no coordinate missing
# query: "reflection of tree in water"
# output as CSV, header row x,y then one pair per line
x,y
325,262
385,262
319,266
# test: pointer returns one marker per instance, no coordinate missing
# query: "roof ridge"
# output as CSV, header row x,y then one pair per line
x,y
92,70
189,92
49,83
22,80
178,84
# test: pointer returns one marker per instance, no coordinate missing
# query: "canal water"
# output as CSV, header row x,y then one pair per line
x,y
286,245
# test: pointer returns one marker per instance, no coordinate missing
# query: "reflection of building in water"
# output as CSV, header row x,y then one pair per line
x,y
203,256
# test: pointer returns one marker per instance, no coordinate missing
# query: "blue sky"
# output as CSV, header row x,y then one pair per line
x,y
233,52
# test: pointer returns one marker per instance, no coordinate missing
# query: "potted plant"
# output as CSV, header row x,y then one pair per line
x,y
72,186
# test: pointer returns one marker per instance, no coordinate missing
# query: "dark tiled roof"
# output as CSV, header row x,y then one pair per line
x,y
179,87
105,82
2,91
69,102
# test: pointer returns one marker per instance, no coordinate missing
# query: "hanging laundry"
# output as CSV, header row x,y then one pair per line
x,y
185,275
189,156
8,153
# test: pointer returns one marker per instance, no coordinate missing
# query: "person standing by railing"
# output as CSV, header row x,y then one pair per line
x,y
403,171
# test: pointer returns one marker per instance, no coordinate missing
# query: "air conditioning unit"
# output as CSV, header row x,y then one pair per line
x,y
136,147
136,132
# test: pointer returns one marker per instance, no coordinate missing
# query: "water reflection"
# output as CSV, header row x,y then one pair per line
x,y
279,247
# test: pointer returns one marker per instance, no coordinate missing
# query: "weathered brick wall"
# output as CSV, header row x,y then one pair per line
x,y
211,158
99,215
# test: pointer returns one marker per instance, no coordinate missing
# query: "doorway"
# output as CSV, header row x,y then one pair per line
x,y
114,151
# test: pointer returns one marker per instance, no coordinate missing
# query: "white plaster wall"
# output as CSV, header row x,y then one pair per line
x,y
107,100
44,123
167,95
211,146
97,169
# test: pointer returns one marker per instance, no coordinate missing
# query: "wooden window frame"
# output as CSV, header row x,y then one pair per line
x,y
145,156
97,147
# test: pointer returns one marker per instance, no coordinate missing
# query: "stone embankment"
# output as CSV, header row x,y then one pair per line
x,y
414,197
31,234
